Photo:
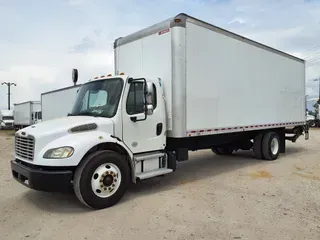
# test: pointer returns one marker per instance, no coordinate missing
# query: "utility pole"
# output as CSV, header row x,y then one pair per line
x,y
9,84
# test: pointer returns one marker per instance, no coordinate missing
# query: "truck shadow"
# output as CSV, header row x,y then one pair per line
x,y
201,165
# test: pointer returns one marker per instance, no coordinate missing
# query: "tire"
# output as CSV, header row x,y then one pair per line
x,y
96,168
271,146
257,146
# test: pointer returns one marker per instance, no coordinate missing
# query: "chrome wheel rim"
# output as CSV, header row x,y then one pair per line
x,y
274,146
106,180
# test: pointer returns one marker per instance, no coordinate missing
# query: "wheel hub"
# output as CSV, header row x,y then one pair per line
x,y
274,146
106,180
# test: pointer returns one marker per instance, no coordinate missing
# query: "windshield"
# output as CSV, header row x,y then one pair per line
x,y
98,98
7,117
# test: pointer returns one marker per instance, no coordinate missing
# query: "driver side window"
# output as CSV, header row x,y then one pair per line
x,y
135,100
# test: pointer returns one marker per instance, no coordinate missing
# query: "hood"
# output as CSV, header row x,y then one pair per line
x,y
60,126
50,131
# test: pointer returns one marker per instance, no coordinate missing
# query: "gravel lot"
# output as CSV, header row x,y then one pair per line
x,y
208,197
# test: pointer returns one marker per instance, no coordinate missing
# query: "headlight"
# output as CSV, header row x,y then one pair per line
x,y
57,153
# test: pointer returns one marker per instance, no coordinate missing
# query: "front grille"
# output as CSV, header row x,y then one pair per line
x,y
9,124
24,147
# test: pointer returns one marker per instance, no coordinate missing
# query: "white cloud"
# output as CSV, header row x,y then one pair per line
x,y
237,20
44,41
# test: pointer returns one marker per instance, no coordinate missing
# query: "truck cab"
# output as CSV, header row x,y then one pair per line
x,y
114,135
36,117
6,119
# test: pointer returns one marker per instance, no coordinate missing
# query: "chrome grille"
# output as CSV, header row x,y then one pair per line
x,y
24,147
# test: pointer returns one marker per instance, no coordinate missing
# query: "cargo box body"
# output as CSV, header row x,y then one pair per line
x,y
23,112
215,81
58,103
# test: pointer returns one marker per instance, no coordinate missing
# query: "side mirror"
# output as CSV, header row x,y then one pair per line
x,y
74,76
149,96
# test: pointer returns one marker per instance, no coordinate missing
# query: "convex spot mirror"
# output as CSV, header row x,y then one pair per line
x,y
149,96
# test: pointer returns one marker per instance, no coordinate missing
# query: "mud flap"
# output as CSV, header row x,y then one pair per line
x,y
306,130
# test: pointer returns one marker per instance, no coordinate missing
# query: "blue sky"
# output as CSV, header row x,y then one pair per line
x,y
41,41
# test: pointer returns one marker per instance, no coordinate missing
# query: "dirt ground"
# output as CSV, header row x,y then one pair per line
x,y
208,197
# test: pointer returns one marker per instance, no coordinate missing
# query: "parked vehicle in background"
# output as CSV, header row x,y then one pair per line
x,y
6,119
26,114
311,120
180,85
313,115
58,103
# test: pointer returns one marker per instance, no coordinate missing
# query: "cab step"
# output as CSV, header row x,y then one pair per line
x,y
150,174
148,156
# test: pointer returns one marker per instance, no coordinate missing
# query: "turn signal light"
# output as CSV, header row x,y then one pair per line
x,y
122,73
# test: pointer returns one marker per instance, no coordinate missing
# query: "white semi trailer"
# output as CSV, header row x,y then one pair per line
x,y
26,114
58,103
174,86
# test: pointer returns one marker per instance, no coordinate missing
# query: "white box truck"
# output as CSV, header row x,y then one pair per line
x,y
26,114
6,119
174,86
58,103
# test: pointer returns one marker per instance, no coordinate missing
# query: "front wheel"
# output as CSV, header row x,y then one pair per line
x,y
101,179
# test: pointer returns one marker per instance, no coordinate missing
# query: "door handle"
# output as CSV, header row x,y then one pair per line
x,y
159,128
133,119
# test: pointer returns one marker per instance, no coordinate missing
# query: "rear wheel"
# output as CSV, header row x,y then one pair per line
x,y
271,146
101,179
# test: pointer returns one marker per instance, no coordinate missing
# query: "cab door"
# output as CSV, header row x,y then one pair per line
x,y
141,132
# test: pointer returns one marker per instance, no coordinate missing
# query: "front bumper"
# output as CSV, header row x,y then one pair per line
x,y
9,127
42,180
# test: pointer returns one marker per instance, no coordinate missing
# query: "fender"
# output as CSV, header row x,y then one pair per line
x,y
82,142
